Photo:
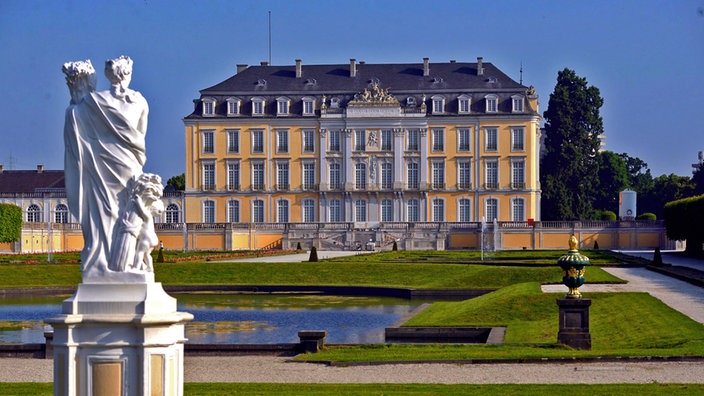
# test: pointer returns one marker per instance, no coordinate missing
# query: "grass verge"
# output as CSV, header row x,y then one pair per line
x,y
198,389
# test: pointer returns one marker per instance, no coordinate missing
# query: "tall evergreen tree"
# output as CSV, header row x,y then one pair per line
x,y
612,179
569,169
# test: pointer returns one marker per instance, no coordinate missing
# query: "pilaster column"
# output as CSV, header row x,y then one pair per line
x,y
348,164
424,159
399,181
322,162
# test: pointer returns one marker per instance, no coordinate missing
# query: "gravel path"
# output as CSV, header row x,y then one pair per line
x,y
269,369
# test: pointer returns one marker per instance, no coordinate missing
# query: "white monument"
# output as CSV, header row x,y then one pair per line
x,y
120,334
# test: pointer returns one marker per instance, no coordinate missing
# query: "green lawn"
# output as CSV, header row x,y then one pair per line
x,y
621,324
197,389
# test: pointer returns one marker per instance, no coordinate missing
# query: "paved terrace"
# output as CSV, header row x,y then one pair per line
x,y
677,294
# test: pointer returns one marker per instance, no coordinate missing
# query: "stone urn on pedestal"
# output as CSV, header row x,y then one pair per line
x,y
574,310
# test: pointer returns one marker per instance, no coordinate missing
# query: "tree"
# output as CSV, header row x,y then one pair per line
x,y
640,181
684,220
612,179
572,129
698,180
10,222
177,182
666,188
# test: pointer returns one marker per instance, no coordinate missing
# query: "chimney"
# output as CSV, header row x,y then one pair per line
x,y
241,68
2,168
426,67
453,61
480,68
353,68
40,168
299,69
264,63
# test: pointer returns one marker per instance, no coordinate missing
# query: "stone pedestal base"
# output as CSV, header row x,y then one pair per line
x,y
119,339
574,323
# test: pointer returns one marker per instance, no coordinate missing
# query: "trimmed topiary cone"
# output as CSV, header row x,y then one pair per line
x,y
596,245
657,257
298,246
313,255
395,246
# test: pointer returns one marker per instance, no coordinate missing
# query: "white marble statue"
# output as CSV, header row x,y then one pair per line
x,y
104,135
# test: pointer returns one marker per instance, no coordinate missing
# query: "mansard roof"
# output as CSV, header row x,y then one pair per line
x,y
330,79
31,181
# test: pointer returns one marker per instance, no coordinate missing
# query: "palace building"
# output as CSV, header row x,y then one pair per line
x,y
364,143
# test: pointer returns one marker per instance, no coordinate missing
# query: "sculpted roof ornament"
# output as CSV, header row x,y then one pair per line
x,y
376,96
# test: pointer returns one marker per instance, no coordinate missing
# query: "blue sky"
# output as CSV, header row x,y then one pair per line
x,y
646,57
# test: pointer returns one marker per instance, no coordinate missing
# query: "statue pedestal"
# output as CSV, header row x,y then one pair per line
x,y
119,339
574,323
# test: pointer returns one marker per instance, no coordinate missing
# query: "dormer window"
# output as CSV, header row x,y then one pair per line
x,y
311,81
517,103
335,103
411,101
261,83
463,104
308,106
208,107
492,103
438,104
258,106
233,107
282,105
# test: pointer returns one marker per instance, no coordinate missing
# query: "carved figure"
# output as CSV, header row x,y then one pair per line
x,y
104,134
373,141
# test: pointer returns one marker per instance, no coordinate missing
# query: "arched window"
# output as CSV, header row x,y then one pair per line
x,y
34,214
61,214
172,213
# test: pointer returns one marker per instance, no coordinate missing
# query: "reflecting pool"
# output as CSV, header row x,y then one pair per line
x,y
239,318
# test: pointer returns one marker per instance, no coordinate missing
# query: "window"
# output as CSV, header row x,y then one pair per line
x,y
61,214
309,176
438,209
258,211
360,176
282,211
413,143
208,176
492,209
233,141
463,139
282,141
517,103
464,174
491,103
410,101
309,210
517,209
492,139
257,176
517,143
413,175
387,210
463,104
438,104
282,173
387,140
518,178
308,141
282,106
308,106
360,210
360,142
233,211
233,176
208,142
438,175
491,175
208,107
258,106
335,210
257,141
438,140
413,210
233,107
208,211
465,209
334,141
387,175
173,214
335,176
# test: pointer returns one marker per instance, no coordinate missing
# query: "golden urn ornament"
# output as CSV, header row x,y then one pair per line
x,y
573,266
